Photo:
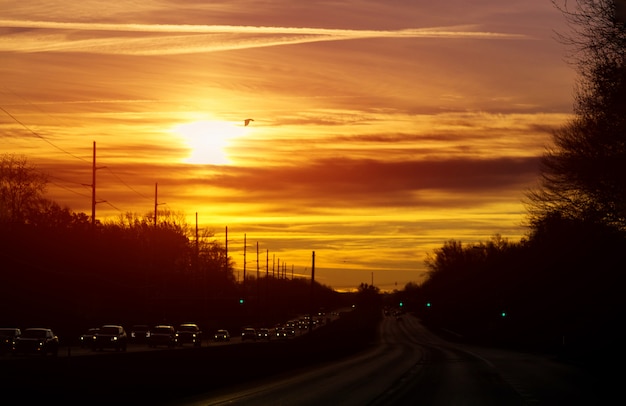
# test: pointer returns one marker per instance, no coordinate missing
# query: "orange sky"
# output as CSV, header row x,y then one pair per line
x,y
381,129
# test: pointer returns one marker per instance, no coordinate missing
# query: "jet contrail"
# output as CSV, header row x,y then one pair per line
x,y
99,38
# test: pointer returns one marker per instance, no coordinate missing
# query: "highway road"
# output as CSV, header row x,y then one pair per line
x,y
412,366
77,351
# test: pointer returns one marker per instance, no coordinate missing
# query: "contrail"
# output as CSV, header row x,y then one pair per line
x,y
458,30
160,39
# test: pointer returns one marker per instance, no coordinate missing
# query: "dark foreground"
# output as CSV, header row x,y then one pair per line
x,y
166,377
161,377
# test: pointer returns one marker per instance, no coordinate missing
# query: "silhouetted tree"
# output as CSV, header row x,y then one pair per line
x,y
368,297
21,188
583,173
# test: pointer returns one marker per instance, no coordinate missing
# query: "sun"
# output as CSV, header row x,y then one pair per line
x,y
208,141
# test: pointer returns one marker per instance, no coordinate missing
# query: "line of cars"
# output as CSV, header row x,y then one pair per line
x,y
278,332
115,336
281,331
31,340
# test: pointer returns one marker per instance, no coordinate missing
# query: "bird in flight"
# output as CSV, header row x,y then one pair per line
x,y
247,121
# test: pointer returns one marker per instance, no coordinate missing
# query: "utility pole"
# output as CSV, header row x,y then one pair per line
x,y
197,243
156,204
93,188
226,249
267,276
258,281
244,259
312,291
156,188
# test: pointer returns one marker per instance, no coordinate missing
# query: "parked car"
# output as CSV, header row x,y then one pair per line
x,y
7,338
139,333
248,333
189,333
37,341
163,334
263,334
110,336
222,335
86,339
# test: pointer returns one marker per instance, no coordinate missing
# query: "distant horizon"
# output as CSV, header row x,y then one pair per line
x,y
380,131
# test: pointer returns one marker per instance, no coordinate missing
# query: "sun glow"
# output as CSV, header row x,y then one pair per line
x,y
208,141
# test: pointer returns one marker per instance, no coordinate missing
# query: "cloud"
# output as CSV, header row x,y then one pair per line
x,y
392,125
344,182
149,39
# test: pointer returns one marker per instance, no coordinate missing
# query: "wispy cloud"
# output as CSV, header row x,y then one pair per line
x,y
381,129
149,39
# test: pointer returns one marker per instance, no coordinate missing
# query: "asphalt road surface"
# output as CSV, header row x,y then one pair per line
x,y
411,366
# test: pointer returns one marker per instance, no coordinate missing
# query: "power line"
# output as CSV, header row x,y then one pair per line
x,y
40,136
70,154
69,190
111,204
126,184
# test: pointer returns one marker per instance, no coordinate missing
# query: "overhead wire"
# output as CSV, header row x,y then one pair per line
x,y
39,135
36,134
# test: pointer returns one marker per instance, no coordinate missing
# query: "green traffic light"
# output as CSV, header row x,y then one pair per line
x,y
401,304
428,304
240,301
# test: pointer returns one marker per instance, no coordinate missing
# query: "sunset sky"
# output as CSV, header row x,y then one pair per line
x,y
381,128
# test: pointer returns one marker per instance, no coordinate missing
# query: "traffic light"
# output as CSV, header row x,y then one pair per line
x,y
401,304
503,314
428,304
241,301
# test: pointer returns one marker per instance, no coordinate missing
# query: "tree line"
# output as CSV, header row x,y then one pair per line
x,y
561,286
58,269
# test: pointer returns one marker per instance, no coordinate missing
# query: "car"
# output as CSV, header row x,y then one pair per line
x,y
7,338
163,334
110,336
280,333
189,333
37,341
263,334
86,339
139,333
248,333
222,335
